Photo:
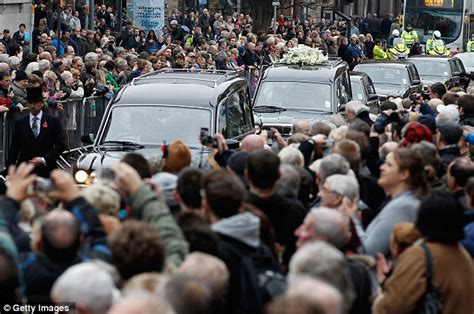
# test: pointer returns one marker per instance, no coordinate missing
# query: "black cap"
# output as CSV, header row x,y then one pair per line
x,y
34,94
451,132
237,162
20,75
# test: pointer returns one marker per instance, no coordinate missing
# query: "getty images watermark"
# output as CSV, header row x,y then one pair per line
x,y
38,308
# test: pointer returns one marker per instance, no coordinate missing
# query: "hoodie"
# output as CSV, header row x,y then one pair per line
x,y
243,227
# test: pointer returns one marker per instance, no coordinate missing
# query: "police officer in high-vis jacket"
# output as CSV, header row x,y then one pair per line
x,y
410,36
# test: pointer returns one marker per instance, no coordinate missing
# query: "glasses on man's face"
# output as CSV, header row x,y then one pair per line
x,y
98,51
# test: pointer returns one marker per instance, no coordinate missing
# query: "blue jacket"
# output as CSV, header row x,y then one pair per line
x,y
355,50
468,241
61,49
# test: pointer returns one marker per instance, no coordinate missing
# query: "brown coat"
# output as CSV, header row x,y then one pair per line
x,y
453,278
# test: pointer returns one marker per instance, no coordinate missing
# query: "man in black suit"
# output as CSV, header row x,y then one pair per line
x,y
38,138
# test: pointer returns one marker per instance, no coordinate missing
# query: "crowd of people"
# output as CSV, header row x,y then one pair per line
x,y
357,213
353,214
79,62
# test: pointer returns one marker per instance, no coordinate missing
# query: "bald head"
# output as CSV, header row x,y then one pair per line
x,y
301,126
143,304
209,269
60,234
387,148
46,56
252,143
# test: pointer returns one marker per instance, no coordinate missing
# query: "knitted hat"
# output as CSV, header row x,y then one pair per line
x,y
415,133
20,75
178,156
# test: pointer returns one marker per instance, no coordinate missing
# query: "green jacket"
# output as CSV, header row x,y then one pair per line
x,y
149,208
379,54
410,37
109,78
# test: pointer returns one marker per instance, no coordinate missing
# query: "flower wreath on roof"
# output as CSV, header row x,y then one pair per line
x,y
304,55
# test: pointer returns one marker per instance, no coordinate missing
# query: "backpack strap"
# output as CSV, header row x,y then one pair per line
x,y
428,266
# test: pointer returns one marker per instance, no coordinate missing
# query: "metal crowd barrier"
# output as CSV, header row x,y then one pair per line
x,y
78,117
2,139
93,110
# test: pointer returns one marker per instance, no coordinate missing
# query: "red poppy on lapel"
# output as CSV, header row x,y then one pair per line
x,y
45,125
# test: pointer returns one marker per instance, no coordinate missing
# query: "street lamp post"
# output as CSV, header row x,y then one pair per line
x,y
58,35
91,14
119,16
304,8
275,5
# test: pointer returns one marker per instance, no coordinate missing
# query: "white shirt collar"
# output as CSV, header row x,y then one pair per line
x,y
39,116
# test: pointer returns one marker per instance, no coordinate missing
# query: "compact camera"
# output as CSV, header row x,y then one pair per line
x,y
43,186
206,139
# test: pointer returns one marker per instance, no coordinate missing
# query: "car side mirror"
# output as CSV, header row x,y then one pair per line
x,y
373,97
87,139
232,144
471,75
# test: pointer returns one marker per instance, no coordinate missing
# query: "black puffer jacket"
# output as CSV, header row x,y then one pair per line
x,y
467,119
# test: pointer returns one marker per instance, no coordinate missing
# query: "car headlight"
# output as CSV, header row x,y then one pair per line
x,y
81,176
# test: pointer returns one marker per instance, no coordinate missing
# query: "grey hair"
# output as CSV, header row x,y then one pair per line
x,y
337,120
32,66
344,185
66,75
44,65
332,224
356,106
88,283
104,199
289,182
333,164
5,58
4,67
14,60
49,75
317,291
291,155
322,261
445,117
91,56
121,62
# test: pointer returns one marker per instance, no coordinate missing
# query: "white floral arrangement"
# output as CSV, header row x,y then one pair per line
x,y
304,55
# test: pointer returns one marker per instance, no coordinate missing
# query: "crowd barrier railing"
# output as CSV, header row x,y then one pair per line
x,y
78,117
2,139
9,119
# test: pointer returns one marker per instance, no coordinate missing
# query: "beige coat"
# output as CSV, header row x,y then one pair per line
x,y
453,278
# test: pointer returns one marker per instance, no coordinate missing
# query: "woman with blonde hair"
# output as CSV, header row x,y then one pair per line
x,y
369,46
